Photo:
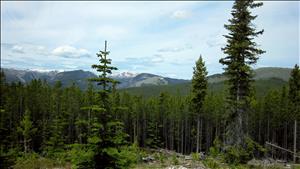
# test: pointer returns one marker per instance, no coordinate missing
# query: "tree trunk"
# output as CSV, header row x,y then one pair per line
x,y
200,139
207,138
185,136
268,128
198,135
25,145
182,136
178,136
89,122
259,132
144,129
172,134
134,132
295,140
285,140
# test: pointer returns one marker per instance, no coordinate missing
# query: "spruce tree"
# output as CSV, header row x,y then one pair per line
x,y
199,86
294,92
27,130
110,130
241,52
294,99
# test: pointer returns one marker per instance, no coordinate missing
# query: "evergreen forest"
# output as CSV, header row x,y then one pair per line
x,y
51,126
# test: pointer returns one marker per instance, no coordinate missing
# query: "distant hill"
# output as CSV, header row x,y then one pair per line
x,y
146,83
79,77
266,78
262,86
260,73
145,79
273,72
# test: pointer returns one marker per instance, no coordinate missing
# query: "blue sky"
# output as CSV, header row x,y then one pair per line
x,y
164,38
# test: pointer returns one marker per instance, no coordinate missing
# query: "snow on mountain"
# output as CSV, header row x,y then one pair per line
x,y
124,75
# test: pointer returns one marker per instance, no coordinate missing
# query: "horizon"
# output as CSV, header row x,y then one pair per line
x,y
155,37
118,73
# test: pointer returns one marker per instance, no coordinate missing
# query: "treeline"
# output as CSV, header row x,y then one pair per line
x,y
58,118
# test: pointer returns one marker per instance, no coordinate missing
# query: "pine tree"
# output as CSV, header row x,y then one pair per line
x,y
294,92
241,52
294,99
55,142
27,130
110,130
199,86
3,114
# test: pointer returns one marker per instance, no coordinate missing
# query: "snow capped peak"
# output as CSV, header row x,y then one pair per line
x,y
124,75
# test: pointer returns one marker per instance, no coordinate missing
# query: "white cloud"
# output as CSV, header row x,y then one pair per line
x,y
176,48
18,49
180,14
157,58
67,51
24,48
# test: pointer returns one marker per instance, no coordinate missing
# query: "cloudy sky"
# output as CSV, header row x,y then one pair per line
x,y
164,38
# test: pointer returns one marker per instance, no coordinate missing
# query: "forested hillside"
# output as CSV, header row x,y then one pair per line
x,y
262,86
162,121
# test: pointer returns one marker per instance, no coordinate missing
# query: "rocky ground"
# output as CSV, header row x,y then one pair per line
x,y
165,159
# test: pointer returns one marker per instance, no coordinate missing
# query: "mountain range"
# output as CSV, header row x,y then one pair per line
x,y
127,79
80,78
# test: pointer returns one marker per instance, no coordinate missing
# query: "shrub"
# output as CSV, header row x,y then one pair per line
x,y
8,159
81,156
33,160
235,155
211,163
238,154
195,156
125,156
254,148
215,150
161,157
175,160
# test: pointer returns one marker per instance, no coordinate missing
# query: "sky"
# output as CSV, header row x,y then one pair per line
x,y
163,38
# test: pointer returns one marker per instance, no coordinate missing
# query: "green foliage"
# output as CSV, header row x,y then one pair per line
x,y
175,161
9,158
160,157
33,160
253,148
294,92
241,52
214,151
125,156
27,130
195,156
235,155
110,150
81,156
199,86
238,154
211,163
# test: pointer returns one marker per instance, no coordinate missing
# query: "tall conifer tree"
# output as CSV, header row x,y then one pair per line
x,y
26,129
294,91
294,99
241,52
110,130
199,86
